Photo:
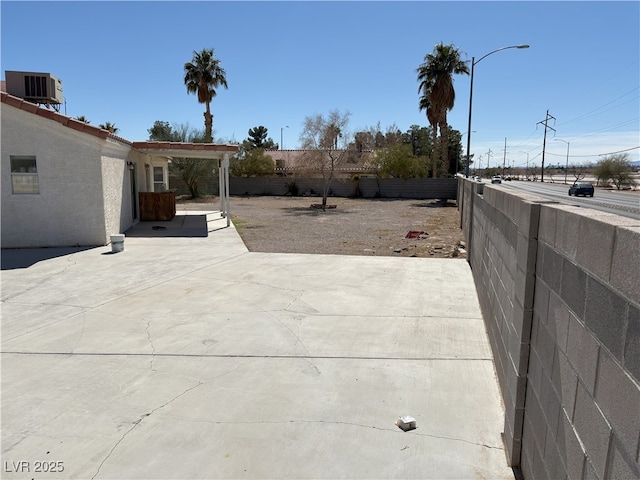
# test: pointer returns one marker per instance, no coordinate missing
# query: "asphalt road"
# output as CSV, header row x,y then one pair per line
x,y
625,203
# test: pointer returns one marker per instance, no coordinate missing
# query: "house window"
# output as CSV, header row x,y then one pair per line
x,y
158,179
24,175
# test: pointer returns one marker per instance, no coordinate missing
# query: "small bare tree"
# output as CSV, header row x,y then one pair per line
x,y
326,140
579,172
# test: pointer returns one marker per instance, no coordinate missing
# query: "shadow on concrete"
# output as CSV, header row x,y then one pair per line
x,y
12,258
181,226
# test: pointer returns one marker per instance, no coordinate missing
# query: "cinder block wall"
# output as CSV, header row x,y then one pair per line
x,y
419,188
559,287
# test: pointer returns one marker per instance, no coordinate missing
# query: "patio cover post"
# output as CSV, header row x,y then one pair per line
x,y
225,162
221,186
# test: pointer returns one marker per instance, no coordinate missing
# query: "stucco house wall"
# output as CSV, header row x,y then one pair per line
x,y
85,178
68,209
116,188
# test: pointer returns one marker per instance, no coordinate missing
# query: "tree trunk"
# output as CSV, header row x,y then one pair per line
x,y
208,125
434,152
326,178
193,189
444,145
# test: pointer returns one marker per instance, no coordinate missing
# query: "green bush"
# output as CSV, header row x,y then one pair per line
x,y
616,169
254,164
398,161
292,188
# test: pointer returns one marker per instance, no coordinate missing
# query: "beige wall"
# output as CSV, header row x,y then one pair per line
x,y
116,188
68,208
84,184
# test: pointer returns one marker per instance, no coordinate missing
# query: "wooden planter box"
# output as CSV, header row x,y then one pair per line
x,y
157,206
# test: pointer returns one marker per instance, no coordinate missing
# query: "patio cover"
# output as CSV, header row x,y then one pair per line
x,y
222,153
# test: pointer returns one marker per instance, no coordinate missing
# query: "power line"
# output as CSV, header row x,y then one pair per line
x,y
585,115
524,141
596,154
617,125
597,87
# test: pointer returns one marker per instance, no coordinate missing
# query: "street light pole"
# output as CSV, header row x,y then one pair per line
x,y
473,64
281,142
567,164
457,161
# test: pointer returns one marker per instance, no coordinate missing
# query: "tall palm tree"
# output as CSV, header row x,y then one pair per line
x,y
436,88
330,140
202,76
425,104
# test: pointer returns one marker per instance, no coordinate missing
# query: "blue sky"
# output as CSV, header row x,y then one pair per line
x,y
123,62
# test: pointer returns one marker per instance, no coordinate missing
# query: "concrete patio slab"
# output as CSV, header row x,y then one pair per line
x,y
186,356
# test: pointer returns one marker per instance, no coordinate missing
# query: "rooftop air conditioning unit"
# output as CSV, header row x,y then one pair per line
x,y
35,87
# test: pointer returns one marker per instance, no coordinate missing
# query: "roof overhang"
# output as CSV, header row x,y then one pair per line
x,y
187,150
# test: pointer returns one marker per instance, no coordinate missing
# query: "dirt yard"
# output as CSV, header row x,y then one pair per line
x,y
354,227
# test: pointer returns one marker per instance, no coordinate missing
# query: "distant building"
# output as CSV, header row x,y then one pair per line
x,y
290,162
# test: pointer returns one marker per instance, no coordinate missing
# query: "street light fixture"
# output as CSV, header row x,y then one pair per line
x,y
281,142
473,64
567,165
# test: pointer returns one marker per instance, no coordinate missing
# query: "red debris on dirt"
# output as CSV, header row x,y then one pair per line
x,y
416,234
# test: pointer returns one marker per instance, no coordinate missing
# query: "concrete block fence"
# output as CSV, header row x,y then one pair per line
x,y
559,288
370,187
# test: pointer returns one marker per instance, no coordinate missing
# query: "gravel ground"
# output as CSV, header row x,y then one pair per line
x,y
354,227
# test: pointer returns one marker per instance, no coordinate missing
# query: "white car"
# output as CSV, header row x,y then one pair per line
x,y
496,179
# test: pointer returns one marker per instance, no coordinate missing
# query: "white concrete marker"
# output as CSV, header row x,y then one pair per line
x,y
406,423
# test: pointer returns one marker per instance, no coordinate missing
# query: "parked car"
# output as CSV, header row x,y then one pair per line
x,y
581,189
496,179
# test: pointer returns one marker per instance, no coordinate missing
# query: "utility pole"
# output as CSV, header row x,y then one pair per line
x,y
489,155
504,159
545,122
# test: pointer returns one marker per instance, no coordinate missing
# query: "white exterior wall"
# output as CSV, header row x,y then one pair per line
x,y
68,208
140,160
116,188
153,162
85,192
